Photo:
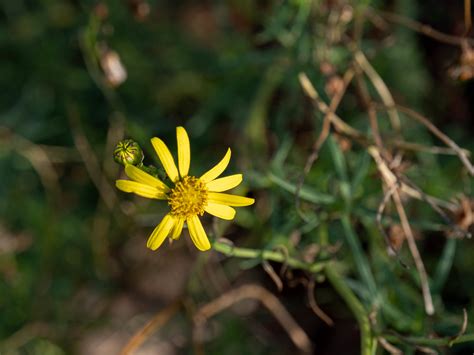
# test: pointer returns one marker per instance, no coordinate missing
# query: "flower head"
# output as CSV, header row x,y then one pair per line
x,y
189,196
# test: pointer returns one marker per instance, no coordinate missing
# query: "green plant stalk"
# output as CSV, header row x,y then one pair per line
x,y
444,265
305,193
270,255
360,259
447,341
367,341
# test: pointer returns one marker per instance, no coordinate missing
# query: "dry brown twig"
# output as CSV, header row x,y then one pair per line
x,y
463,328
339,125
372,114
421,28
437,205
433,129
412,191
424,148
378,219
343,128
273,275
426,350
429,308
390,180
393,350
284,251
159,320
314,305
271,303
380,87
327,121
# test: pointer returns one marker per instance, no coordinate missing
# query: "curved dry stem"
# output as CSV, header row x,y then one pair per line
x,y
158,321
271,303
314,305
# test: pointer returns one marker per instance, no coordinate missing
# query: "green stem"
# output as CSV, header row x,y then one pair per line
x,y
360,259
367,343
447,341
270,255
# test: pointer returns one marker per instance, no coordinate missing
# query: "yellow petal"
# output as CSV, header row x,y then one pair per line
x,y
184,151
178,227
225,183
197,233
166,158
160,233
221,211
218,169
140,189
230,200
139,175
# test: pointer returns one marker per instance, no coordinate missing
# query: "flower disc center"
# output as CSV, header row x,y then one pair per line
x,y
188,197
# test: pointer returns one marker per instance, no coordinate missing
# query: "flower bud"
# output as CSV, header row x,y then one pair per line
x,y
128,151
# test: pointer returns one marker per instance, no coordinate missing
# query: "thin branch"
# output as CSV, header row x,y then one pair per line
x,y
273,275
368,103
380,210
390,179
422,28
326,127
314,305
158,321
381,88
425,288
339,125
393,350
424,148
463,328
268,300
433,129
437,205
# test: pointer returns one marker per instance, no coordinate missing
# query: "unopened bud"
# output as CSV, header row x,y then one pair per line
x,y
128,151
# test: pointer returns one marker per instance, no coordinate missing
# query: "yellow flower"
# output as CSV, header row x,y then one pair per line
x,y
189,197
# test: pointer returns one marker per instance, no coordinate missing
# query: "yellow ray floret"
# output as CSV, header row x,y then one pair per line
x,y
189,197
140,189
166,158
139,175
160,233
218,169
230,200
225,183
198,235
221,211
184,151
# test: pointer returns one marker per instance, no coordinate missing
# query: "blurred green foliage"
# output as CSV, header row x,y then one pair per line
x,y
74,270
